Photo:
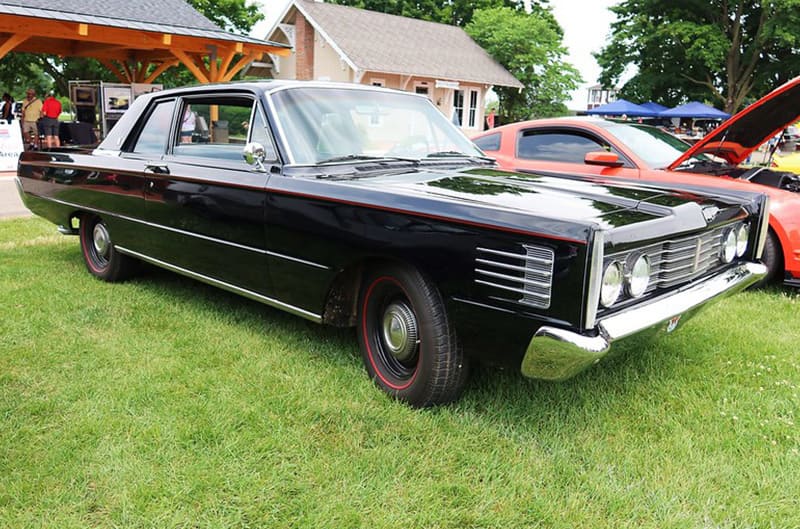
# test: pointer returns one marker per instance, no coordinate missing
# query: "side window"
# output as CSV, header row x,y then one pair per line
x,y
490,142
218,126
556,146
155,132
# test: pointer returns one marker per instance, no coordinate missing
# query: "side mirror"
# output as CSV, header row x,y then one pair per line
x,y
255,154
605,158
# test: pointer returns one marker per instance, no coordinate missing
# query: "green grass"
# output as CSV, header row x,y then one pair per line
x,y
164,403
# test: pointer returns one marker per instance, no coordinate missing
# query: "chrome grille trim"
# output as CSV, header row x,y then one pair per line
x,y
529,274
679,260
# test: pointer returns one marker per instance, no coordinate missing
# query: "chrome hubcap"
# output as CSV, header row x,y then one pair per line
x,y
102,241
400,332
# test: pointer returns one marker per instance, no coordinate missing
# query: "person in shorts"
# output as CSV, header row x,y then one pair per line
x,y
31,111
51,109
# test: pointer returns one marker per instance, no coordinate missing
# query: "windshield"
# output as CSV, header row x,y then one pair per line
x,y
655,147
326,124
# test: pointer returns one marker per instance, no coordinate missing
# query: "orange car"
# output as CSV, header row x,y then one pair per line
x,y
593,146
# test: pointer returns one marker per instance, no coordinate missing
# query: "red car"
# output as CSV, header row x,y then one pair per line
x,y
600,147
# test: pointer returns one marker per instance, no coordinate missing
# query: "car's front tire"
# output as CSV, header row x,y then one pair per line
x,y
407,343
772,257
102,259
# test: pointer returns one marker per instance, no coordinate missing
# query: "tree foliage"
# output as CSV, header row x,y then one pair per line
x,y
530,47
727,52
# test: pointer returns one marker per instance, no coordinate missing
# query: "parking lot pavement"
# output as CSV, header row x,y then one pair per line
x,y
10,203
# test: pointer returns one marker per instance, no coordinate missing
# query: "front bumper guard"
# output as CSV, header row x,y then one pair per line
x,y
558,354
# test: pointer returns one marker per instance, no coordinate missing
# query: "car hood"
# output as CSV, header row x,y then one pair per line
x,y
607,206
744,132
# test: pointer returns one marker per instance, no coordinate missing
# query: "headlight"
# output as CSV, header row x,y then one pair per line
x,y
639,277
728,246
742,235
612,284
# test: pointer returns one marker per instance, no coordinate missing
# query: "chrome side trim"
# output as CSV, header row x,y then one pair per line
x,y
516,256
223,285
595,262
763,227
190,234
556,354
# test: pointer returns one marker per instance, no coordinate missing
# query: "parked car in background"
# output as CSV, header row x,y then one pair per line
x,y
594,146
364,207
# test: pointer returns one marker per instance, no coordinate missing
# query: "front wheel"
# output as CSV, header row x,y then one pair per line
x,y
407,343
101,258
773,260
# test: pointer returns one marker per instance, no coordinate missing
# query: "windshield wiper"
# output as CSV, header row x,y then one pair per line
x,y
366,157
458,154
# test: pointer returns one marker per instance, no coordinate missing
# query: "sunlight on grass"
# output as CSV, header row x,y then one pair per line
x,y
161,402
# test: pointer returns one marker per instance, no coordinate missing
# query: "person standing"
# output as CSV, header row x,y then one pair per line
x,y
31,111
51,109
7,112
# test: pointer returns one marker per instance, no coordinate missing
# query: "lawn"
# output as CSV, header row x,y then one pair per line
x,y
165,403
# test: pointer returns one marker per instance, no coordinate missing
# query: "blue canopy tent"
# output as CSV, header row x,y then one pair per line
x,y
620,107
695,110
655,107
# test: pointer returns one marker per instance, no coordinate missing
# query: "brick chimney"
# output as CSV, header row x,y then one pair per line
x,y
304,48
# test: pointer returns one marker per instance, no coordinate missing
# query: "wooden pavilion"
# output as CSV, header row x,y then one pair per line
x,y
136,40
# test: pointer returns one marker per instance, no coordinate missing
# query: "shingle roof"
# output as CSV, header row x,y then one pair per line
x,y
162,16
379,42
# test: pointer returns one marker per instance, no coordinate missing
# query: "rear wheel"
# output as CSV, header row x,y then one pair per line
x,y
407,343
101,258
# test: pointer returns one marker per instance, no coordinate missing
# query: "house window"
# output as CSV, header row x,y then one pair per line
x,y
458,107
473,109
421,88
377,82
466,116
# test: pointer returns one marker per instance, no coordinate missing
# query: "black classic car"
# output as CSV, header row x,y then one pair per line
x,y
364,207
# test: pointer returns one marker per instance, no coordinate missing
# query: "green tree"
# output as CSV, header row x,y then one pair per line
x,y
530,47
724,51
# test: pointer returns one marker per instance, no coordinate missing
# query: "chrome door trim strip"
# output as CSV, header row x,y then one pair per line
x,y
255,296
190,234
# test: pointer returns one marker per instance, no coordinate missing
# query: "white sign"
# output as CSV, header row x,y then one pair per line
x,y
447,84
10,145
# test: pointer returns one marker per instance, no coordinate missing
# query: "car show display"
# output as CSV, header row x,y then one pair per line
x,y
363,207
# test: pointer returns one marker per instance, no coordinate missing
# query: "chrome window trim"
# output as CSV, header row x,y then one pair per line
x,y
595,262
190,234
223,285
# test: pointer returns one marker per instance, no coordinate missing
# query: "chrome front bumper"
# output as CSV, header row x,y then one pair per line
x,y
557,354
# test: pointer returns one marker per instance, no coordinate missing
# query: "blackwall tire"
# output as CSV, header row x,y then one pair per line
x,y
407,342
101,258
773,260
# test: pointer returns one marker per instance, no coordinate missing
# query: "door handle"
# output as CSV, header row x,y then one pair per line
x,y
156,168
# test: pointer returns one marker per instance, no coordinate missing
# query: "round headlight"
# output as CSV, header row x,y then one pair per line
x,y
612,284
728,246
639,277
742,235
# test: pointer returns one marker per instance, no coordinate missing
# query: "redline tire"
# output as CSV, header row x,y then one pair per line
x,y
407,343
101,258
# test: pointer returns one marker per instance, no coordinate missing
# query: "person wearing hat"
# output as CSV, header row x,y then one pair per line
x,y
51,109
31,111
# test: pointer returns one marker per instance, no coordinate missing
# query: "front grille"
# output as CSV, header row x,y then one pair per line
x,y
528,275
678,261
